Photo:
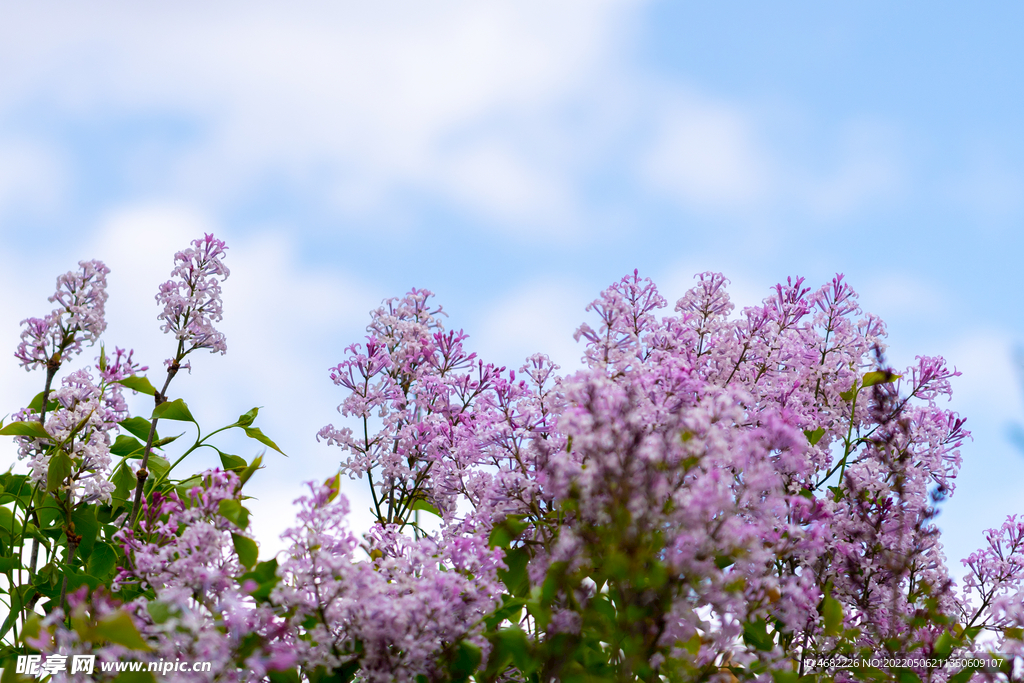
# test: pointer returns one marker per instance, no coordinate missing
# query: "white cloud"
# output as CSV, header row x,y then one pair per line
x,y
715,156
32,176
498,182
344,94
895,294
865,168
704,153
502,110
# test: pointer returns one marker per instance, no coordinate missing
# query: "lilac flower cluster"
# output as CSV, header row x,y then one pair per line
x,y
715,495
393,615
81,426
78,318
183,550
771,451
191,299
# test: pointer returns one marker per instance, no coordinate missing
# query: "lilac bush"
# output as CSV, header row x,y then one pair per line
x,y
714,496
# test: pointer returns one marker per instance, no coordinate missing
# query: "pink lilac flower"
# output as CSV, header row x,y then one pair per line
x,y
86,417
402,607
739,454
191,299
720,434
78,318
184,552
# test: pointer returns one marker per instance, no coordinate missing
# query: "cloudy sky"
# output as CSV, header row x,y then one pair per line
x,y
516,158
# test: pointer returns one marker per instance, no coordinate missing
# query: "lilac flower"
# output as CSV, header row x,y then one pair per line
x,y
184,551
714,492
81,425
191,299
402,607
79,318
746,444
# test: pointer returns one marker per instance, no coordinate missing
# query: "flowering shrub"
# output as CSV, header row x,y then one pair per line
x,y
713,497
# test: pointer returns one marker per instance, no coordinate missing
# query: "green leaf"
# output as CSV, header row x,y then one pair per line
x,y
248,551
907,676
58,471
126,445
232,462
246,419
962,676
20,596
784,676
160,611
160,443
138,383
124,481
870,673
832,611
515,577
9,564
252,467
755,634
467,659
506,531
32,429
158,466
870,379
265,577
119,628
86,526
288,676
814,436
421,504
13,484
138,426
135,677
9,524
255,433
265,571
234,512
944,645
173,410
36,405
511,645
32,531
342,674
723,561
511,610
184,488
102,561
334,483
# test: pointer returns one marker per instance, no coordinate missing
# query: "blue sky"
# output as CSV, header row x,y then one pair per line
x,y
516,158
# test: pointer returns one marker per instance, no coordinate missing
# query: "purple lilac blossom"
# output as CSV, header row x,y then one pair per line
x,y
191,299
745,445
79,318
